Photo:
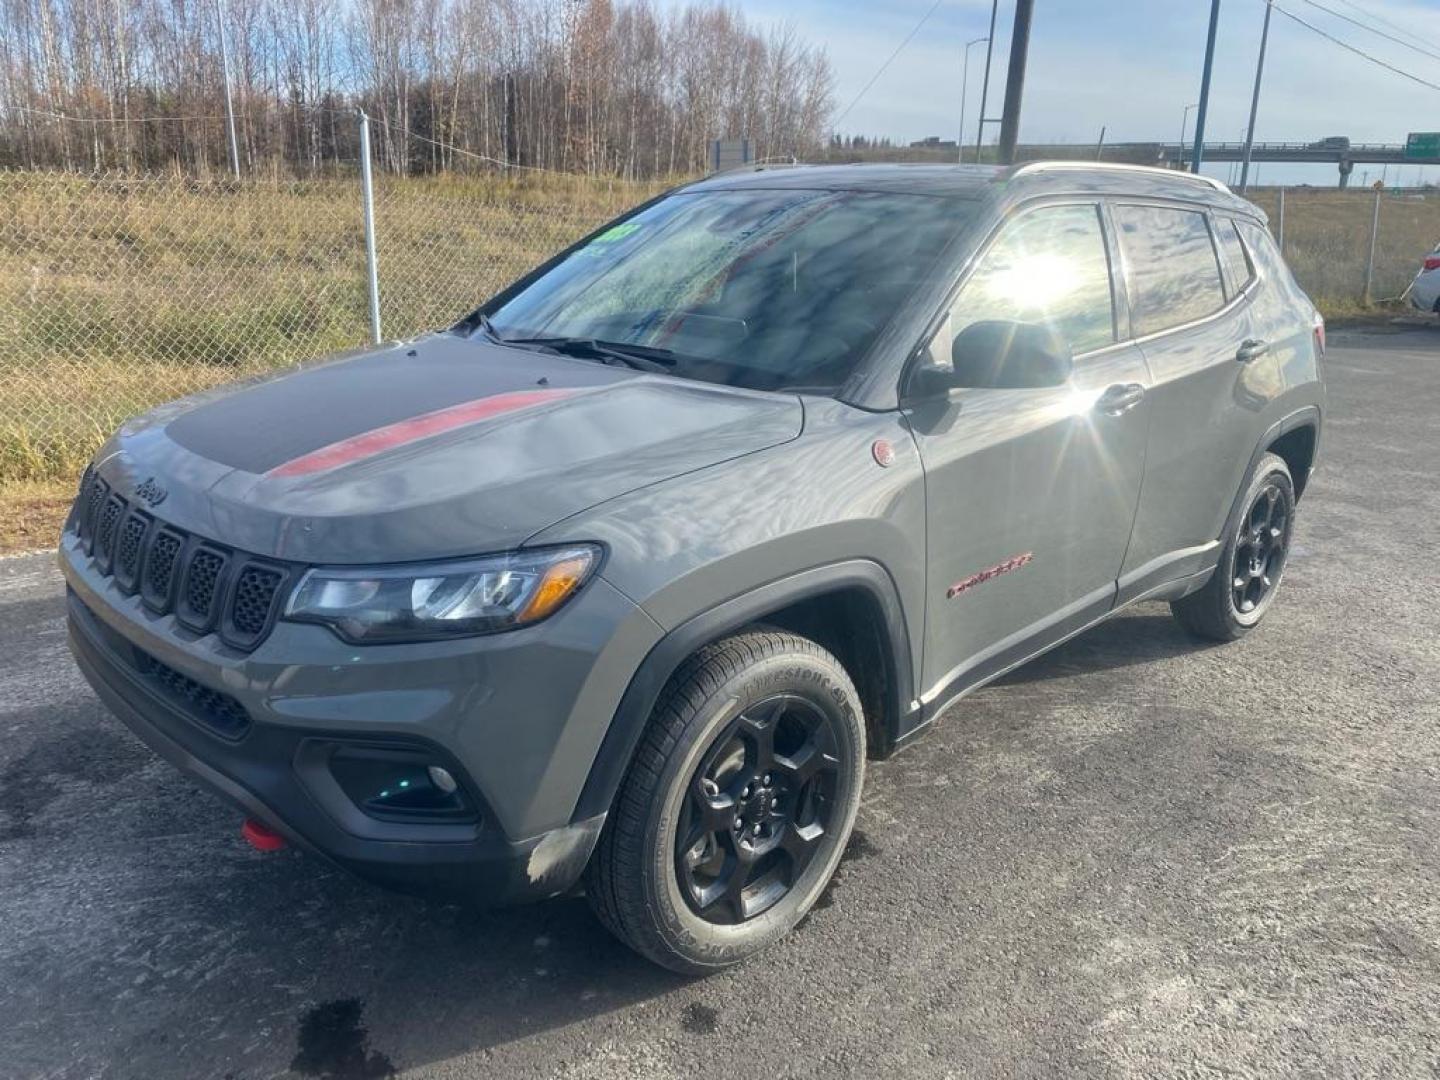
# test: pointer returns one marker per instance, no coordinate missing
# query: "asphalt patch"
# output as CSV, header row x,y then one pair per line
x,y
698,1019
333,1045
30,783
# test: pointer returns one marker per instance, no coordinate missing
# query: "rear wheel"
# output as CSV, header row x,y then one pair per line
x,y
1244,585
737,807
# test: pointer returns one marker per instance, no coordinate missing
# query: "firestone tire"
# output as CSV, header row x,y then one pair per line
x,y
716,847
1252,563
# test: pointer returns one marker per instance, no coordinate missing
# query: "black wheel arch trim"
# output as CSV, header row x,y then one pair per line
x,y
1303,417
628,724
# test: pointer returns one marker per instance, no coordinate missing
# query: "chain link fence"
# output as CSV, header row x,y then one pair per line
x,y
118,292
1326,235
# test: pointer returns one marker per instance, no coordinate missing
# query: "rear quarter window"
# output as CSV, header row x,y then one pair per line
x,y
1237,263
1174,274
1266,254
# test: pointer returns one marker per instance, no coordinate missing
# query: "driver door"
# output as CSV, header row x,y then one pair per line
x,y
1031,493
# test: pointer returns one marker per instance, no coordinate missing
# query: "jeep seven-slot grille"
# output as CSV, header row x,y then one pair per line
x,y
255,591
202,582
209,588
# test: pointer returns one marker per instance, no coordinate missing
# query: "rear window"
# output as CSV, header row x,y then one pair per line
x,y
1174,274
1237,262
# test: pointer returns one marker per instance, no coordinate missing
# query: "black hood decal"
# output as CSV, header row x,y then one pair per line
x,y
263,427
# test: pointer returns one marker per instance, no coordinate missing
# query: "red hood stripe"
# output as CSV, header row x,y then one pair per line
x,y
417,427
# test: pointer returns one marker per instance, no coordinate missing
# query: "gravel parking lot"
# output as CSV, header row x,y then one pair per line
x,y
1138,856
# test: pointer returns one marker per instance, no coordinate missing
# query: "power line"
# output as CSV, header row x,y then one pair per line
x,y
451,146
1356,50
915,30
1377,17
1380,33
109,119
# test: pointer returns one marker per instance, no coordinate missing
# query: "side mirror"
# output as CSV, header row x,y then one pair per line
x,y
1010,355
1000,355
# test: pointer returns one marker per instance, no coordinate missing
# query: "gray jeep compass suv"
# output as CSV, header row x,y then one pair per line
x,y
619,581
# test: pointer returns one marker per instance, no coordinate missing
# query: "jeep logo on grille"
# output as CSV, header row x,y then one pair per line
x,y
151,493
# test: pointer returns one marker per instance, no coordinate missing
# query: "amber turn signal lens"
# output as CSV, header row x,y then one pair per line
x,y
560,580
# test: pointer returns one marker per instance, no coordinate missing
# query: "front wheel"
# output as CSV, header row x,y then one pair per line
x,y
737,807
1252,562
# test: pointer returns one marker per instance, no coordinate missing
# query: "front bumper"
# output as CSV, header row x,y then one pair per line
x,y
522,767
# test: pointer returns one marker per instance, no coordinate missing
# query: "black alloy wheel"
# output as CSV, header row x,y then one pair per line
x,y
1246,579
1260,549
757,809
737,805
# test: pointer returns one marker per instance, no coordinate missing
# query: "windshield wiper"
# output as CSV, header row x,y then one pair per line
x,y
478,320
639,357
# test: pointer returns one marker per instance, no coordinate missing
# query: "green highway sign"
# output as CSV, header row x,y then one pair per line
x,y
1423,144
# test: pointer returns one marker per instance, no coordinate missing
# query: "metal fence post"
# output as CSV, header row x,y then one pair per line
x,y
1370,261
1280,238
367,187
229,103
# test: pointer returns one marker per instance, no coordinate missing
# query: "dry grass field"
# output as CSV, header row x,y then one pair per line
x,y
117,293
1327,239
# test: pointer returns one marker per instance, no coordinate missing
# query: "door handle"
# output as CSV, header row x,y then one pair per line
x,y
1120,398
1251,349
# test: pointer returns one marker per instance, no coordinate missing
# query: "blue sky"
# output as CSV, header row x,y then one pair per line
x,y
1133,66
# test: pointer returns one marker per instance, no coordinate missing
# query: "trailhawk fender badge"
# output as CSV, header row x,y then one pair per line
x,y
1015,562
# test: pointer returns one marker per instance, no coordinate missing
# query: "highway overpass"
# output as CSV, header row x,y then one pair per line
x,y
1344,158
1343,154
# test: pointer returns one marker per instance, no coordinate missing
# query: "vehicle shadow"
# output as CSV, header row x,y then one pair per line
x,y
137,888
1142,636
417,983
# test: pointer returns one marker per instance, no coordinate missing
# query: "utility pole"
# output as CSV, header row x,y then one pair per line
x,y
964,84
1100,145
1199,153
1255,100
229,106
1015,80
1184,123
985,88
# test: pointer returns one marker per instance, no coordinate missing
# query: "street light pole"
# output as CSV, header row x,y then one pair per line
x,y
1255,99
1199,153
1184,123
985,88
964,84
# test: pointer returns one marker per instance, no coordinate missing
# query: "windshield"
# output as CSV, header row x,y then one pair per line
x,y
769,290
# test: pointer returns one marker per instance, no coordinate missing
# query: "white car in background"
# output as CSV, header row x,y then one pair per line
x,y
1424,291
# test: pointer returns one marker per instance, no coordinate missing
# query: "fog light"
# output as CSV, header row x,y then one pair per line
x,y
442,779
398,783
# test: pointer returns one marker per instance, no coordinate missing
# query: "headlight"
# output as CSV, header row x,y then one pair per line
x,y
419,602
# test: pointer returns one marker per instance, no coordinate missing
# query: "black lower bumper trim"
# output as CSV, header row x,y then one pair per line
x,y
258,775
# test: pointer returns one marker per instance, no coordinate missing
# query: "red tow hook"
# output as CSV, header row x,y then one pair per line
x,y
261,837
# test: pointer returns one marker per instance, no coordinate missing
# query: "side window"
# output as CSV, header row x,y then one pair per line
x,y
1237,262
1174,275
1045,266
